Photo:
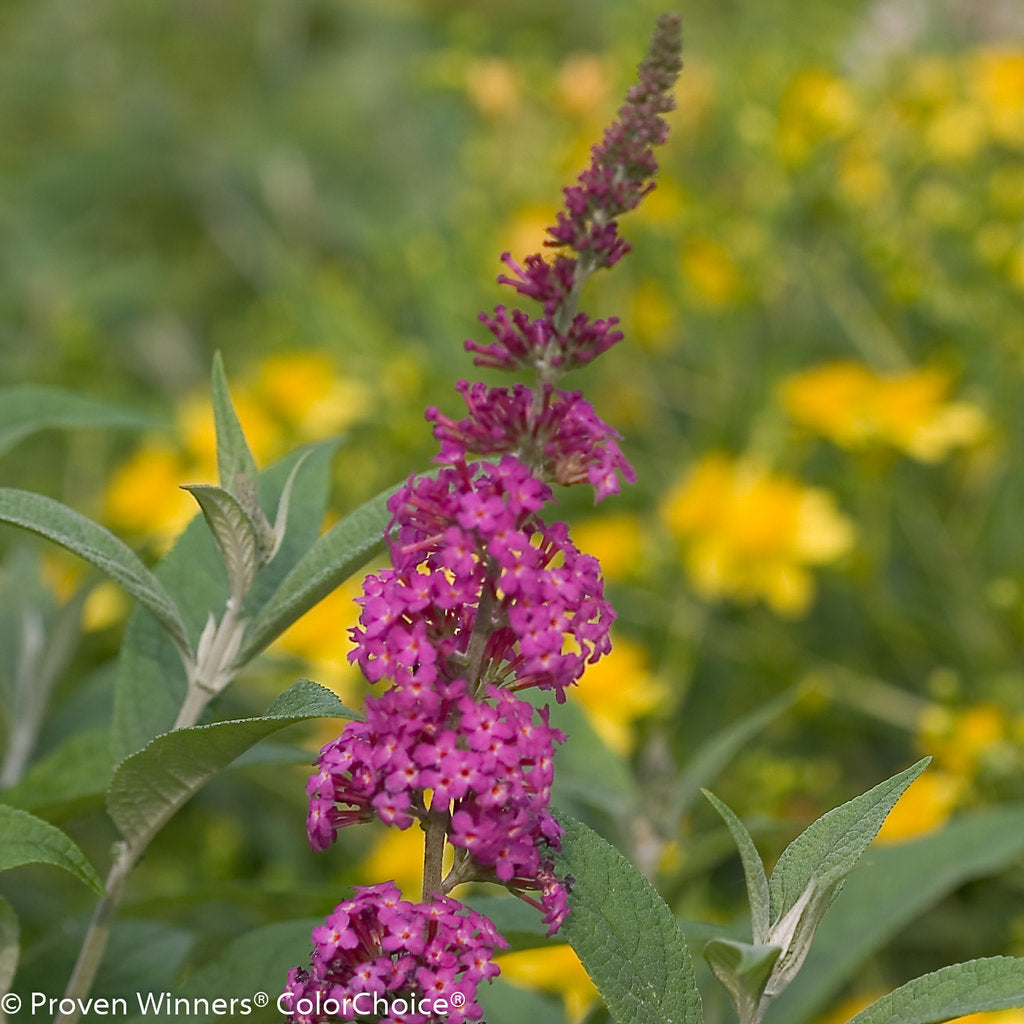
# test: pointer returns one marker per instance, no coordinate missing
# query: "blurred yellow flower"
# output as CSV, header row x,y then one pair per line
x,y
817,106
956,133
997,79
855,407
616,540
493,86
750,533
583,85
144,494
618,690
711,272
991,1017
554,969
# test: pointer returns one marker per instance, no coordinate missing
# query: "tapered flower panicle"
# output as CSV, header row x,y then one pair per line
x,y
586,232
484,599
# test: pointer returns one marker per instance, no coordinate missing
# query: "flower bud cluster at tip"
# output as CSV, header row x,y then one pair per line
x,y
585,232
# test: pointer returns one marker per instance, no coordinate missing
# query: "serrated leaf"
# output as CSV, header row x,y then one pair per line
x,y
9,949
26,409
743,969
830,847
627,938
26,839
977,986
234,532
234,460
890,888
96,545
332,559
753,871
150,786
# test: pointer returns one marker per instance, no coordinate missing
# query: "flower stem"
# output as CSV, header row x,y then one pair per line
x,y
433,852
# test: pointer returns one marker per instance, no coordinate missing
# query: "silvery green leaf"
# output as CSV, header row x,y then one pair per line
x,y
234,532
743,969
753,871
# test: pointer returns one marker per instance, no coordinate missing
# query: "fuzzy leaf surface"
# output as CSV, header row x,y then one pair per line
x,y
150,786
233,531
97,545
977,986
234,460
627,938
26,839
829,848
891,888
753,870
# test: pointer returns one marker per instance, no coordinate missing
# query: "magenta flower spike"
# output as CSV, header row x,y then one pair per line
x,y
484,600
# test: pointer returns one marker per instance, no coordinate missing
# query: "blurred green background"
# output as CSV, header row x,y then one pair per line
x,y
820,567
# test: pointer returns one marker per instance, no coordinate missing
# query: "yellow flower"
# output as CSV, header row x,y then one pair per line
x,y
750,533
855,407
583,84
991,1017
615,540
552,969
817,106
712,273
144,495
493,86
618,690
303,390
997,79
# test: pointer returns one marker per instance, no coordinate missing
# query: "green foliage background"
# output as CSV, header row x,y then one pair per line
x,y
266,177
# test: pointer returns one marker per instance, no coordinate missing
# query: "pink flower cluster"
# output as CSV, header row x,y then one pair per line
x,y
484,598
423,960
565,440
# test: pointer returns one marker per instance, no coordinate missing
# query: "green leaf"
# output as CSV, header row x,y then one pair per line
x,y
77,770
150,786
27,409
829,848
332,559
97,545
891,888
9,939
150,679
753,871
234,460
743,969
978,986
627,938
234,532
26,839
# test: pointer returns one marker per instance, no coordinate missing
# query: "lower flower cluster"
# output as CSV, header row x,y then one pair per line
x,y
379,957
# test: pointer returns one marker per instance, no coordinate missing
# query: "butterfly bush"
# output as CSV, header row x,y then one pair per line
x,y
484,600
